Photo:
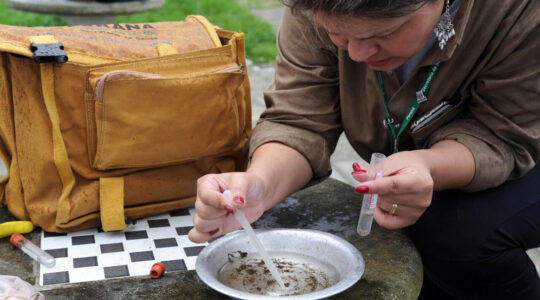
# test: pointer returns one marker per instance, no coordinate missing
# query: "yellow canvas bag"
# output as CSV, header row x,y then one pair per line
x,y
100,123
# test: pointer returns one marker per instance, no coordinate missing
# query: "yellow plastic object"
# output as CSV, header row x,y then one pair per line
x,y
9,228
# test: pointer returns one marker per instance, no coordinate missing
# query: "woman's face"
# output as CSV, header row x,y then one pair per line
x,y
383,44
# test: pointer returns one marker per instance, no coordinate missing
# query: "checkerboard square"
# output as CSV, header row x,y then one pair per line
x,y
161,232
82,240
110,237
190,262
140,268
83,262
175,265
183,230
163,243
138,245
158,223
58,253
169,253
52,234
114,259
110,248
55,278
182,221
193,251
61,264
83,250
185,242
141,256
116,271
134,235
86,274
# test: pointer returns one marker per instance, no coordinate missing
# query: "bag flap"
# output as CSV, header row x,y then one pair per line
x,y
96,44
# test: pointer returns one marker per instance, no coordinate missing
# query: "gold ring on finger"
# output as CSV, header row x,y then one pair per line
x,y
394,209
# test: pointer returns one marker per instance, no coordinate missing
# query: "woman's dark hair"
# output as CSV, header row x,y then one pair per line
x,y
359,8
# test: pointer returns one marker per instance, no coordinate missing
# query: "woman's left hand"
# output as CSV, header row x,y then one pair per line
x,y
406,182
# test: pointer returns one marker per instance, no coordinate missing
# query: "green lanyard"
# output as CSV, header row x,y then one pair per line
x,y
419,99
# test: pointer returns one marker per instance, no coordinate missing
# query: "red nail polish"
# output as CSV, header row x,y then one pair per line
x,y
239,199
359,172
229,209
362,189
356,167
213,231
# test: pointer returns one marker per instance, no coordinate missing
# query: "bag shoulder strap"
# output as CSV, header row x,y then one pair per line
x,y
111,189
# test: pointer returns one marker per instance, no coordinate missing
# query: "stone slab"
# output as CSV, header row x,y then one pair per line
x,y
393,266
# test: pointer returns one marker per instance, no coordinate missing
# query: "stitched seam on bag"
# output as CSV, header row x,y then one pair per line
x,y
118,75
169,59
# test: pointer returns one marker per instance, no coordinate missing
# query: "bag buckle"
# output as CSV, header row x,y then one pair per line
x,y
49,53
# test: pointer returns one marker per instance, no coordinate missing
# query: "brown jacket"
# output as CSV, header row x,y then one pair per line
x,y
490,70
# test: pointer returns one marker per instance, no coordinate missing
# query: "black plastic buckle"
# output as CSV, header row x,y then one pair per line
x,y
49,53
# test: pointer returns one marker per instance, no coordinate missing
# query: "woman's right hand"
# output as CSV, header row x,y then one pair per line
x,y
214,214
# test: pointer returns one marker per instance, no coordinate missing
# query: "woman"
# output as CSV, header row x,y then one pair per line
x,y
466,184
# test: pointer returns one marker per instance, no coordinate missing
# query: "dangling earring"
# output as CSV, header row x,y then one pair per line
x,y
444,29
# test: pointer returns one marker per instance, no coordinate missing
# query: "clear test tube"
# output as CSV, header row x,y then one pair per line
x,y
376,167
32,250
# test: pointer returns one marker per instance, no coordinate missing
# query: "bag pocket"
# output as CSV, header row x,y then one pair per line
x,y
150,120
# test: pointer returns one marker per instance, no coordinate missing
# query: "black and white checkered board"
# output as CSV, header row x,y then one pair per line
x,y
91,255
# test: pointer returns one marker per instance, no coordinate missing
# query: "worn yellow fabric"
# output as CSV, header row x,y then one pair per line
x,y
99,44
11,193
210,29
59,148
43,39
157,105
111,203
166,49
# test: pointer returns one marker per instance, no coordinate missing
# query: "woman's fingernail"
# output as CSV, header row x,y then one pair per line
x,y
229,209
356,167
239,200
213,231
358,172
362,189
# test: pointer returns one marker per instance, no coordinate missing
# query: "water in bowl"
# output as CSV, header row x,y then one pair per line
x,y
301,274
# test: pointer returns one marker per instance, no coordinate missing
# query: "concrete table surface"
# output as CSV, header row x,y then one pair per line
x,y
393,265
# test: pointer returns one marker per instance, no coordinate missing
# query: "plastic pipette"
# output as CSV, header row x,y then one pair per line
x,y
376,167
32,250
239,215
